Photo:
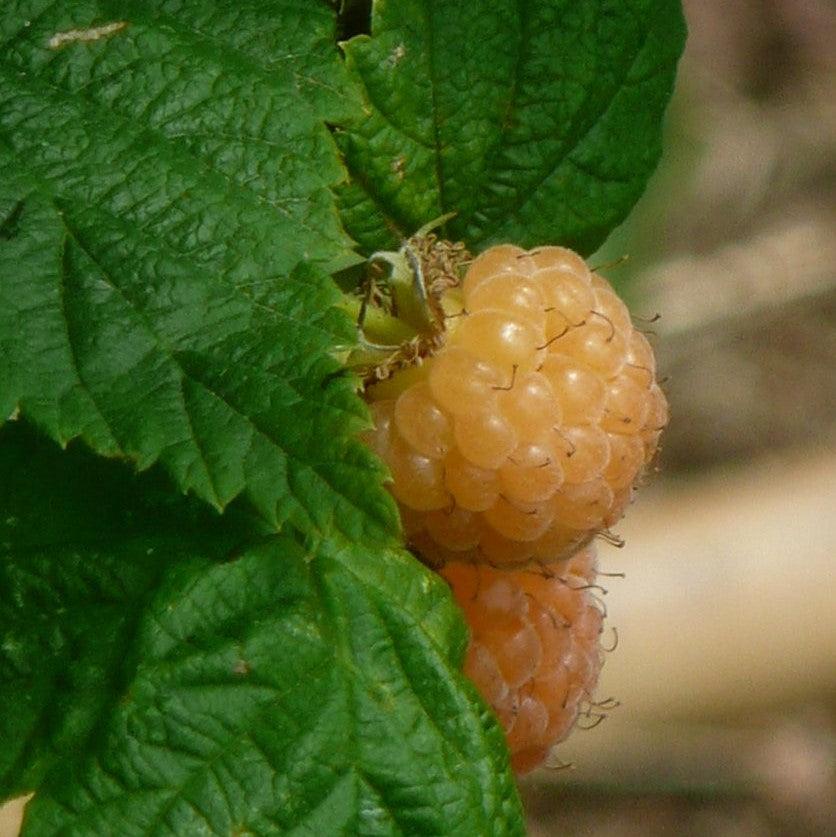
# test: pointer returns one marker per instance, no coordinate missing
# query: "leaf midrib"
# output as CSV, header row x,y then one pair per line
x,y
173,144
583,125
314,466
339,640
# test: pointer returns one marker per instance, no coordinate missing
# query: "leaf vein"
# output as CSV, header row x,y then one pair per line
x,y
71,346
572,142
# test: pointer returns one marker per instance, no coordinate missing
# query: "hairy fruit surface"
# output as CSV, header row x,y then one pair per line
x,y
534,651
522,432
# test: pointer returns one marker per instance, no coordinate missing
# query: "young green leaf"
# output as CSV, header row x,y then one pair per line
x,y
534,121
166,168
168,671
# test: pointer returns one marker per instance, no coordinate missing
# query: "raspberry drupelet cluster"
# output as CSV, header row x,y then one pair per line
x,y
534,649
526,431
514,434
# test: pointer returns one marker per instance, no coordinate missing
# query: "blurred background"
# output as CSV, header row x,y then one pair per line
x,y
725,666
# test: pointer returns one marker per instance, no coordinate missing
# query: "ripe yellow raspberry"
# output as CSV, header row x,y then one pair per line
x,y
534,651
523,429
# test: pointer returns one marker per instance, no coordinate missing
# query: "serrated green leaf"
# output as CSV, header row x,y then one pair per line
x,y
162,182
163,671
535,120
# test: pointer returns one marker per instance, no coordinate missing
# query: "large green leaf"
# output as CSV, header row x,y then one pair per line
x,y
534,120
160,185
162,671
